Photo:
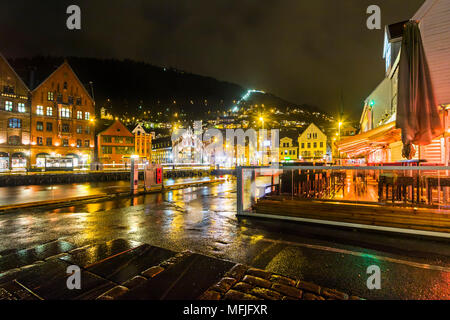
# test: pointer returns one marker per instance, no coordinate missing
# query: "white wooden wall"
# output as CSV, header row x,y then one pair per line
x,y
434,18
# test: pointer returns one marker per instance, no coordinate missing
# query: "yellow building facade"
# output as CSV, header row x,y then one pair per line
x,y
312,144
288,152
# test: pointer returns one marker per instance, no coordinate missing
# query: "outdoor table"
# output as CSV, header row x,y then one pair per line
x,y
436,182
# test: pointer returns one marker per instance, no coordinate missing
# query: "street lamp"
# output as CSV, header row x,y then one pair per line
x,y
339,135
262,121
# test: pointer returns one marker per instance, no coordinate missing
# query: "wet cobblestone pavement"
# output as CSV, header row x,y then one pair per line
x,y
128,270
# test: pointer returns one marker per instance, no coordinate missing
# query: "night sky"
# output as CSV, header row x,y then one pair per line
x,y
303,51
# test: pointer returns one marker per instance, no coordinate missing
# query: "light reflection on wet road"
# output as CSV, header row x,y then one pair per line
x,y
203,220
32,193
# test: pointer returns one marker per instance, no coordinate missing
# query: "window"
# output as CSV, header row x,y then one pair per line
x,y
315,144
65,85
303,146
129,140
14,140
40,110
65,127
50,96
107,139
321,144
65,113
49,142
79,115
86,115
78,101
8,89
87,143
8,105
39,126
49,126
309,145
118,139
107,150
80,129
70,100
59,98
50,111
39,141
88,130
65,142
21,107
15,123
124,150
79,143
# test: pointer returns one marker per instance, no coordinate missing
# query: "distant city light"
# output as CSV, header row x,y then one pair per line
x,y
245,97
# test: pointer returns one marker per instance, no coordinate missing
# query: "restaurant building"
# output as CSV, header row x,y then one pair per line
x,y
62,122
379,141
14,120
116,145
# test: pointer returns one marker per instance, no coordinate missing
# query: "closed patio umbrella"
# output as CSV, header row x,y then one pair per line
x,y
417,110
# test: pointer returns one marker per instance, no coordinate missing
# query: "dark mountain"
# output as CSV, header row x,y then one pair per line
x,y
128,88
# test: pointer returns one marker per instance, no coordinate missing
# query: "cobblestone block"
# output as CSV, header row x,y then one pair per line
x,y
243,287
266,294
308,286
283,280
236,295
311,296
224,285
237,272
287,290
258,282
210,295
134,282
113,294
334,294
153,271
259,273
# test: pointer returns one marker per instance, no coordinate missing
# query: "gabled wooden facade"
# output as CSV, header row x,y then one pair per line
x,y
15,119
62,120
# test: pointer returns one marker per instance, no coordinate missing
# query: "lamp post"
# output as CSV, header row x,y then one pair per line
x,y
339,135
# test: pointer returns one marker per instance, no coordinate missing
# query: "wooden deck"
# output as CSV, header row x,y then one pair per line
x,y
426,219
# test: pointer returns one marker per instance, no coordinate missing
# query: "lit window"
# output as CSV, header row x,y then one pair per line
x,y
8,105
50,96
79,115
40,110
21,107
86,116
49,111
14,123
65,113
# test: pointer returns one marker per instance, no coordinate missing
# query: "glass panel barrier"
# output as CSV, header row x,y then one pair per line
x,y
406,188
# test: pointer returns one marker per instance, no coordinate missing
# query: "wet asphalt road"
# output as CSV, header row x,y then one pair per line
x,y
203,220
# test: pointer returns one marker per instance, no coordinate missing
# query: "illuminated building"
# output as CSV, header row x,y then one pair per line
x,y
143,143
14,119
162,150
312,144
62,122
115,144
379,141
288,151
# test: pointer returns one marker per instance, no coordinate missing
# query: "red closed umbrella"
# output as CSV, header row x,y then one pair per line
x,y
417,110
